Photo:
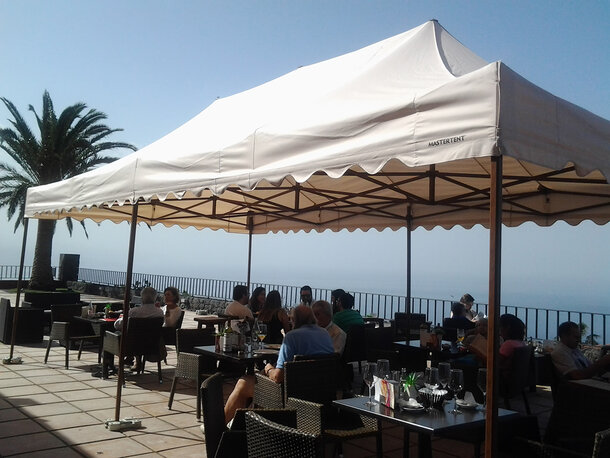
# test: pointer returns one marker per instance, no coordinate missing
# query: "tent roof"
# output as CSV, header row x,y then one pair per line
x,y
402,127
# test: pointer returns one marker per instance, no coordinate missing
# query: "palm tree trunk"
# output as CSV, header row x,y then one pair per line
x,y
42,273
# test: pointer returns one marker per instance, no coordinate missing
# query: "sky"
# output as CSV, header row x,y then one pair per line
x,y
152,65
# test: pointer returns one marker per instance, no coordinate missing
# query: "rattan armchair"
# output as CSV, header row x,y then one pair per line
x,y
189,365
143,341
228,443
66,329
269,439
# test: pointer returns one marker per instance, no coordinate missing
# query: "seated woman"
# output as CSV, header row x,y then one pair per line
x,y
171,297
468,301
512,331
257,300
274,316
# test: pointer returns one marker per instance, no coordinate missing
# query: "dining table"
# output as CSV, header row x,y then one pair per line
x,y
425,422
268,353
209,321
100,325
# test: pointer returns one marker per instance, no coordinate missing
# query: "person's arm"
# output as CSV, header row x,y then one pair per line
x,y
276,375
597,367
283,316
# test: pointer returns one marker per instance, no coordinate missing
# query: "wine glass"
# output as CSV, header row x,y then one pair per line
x,y
482,383
383,368
456,383
444,374
261,331
431,378
368,374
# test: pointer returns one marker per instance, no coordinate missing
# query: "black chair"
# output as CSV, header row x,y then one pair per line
x,y
30,323
407,325
531,448
143,342
269,439
517,378
355,346
189,365
65,329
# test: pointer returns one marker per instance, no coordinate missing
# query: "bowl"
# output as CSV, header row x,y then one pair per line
x,y
432,398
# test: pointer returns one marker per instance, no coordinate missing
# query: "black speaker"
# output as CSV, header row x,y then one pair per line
x,y
68,267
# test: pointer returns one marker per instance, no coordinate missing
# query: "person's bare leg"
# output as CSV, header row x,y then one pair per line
x,y
240,396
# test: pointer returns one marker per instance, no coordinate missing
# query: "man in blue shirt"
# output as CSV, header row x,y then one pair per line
x,y
307,338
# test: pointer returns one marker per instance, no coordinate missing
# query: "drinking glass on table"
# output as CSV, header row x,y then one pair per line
x,y
368,374
460,335
482,383
456,383
261,331
444,374
431,378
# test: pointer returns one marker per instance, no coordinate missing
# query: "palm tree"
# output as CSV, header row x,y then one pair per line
x,y
67,146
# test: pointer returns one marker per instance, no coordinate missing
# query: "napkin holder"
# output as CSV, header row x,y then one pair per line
x,y
386,392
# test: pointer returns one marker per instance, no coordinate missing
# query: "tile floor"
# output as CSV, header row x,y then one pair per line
x,y
48,411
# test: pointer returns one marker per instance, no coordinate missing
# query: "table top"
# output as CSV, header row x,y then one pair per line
x,y
432,422
211,319
95,319
266,353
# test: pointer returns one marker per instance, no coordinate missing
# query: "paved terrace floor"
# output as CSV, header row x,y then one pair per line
x,y
48,411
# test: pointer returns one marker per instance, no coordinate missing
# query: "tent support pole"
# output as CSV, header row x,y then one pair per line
x,y
126,300
250,229
19,280
409,229
495,263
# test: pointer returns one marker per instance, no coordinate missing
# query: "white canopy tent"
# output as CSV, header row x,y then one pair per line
x,y
415,130
419,111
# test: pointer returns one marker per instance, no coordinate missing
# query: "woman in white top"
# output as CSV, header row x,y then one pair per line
x,y
171,297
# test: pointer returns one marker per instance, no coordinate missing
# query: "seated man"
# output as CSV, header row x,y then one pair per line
x,y
324,315
238,306
346,316
148,309
569,361
307,338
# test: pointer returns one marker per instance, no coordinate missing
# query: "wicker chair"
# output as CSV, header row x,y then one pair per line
x,y
269,439
310,386
189,365
66,329
220,441
313,378
143,341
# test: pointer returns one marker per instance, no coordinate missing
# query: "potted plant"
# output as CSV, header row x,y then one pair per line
x,y
409,385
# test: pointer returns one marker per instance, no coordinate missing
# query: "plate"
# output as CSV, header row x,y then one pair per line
x,y
409,407
466,405
412,409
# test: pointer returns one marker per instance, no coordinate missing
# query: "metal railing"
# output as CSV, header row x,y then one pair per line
x,y
541,323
